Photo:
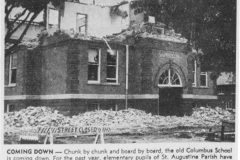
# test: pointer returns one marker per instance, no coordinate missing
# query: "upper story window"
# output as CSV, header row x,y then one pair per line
x,y
81,23
170,78
203,79
53,18
13,69
94,58
194,84
112,66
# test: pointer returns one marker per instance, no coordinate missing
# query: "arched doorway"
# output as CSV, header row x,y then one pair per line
x,y
170,93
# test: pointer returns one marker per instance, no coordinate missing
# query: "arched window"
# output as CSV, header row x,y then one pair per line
x,y
170,78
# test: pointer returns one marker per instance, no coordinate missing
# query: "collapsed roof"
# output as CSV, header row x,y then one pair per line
x,y
136,31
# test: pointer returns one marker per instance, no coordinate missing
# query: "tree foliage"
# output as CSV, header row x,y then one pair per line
x,y
31,9
209,25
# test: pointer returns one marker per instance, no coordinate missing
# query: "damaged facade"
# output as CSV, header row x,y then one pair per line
x,y
141,65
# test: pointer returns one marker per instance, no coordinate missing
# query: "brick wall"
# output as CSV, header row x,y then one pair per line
x,y
20,88
60,66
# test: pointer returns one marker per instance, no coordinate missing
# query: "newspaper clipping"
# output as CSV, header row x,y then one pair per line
x,y
119,80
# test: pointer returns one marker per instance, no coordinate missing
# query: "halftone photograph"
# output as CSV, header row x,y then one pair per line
x,y
119,71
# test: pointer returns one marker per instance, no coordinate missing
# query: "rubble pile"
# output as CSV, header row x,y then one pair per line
x,y
123,120
213,115
32,117
146,29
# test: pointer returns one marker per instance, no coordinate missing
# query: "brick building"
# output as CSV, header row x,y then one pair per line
x,y
145,66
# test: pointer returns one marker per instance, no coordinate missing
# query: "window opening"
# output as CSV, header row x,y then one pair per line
x,y
112,66
194,84
82,23
93,65
13,69
53,18
170,78
203,79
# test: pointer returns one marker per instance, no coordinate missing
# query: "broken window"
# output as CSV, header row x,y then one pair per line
x,y
203,79
13,69
169,78
112,67
81,23
93,65
53,18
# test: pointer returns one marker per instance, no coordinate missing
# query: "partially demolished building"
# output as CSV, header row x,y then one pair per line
x,y
73,68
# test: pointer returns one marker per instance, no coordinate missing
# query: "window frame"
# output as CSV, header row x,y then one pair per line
x,y
10,72
86,20
229,105
194,84
99,67
9,108
117,55
169,79
206,78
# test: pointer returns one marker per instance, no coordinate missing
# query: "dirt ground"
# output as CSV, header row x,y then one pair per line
x,y
152,136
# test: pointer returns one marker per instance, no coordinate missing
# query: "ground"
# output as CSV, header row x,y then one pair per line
x,y
152,136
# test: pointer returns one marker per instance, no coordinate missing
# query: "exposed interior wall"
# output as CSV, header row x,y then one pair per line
x,y
99,20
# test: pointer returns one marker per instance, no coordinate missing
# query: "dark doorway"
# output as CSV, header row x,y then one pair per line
x,y
170,101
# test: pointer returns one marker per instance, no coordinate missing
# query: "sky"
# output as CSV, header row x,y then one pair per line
x,y
15,11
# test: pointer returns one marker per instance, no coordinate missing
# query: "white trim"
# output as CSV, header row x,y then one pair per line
x,y
11,85
102,96
192,96
143,96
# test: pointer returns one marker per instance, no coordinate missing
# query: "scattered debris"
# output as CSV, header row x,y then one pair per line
x,y
136,30
122,121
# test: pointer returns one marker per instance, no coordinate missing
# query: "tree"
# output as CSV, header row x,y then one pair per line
x,y
31,9
209,26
